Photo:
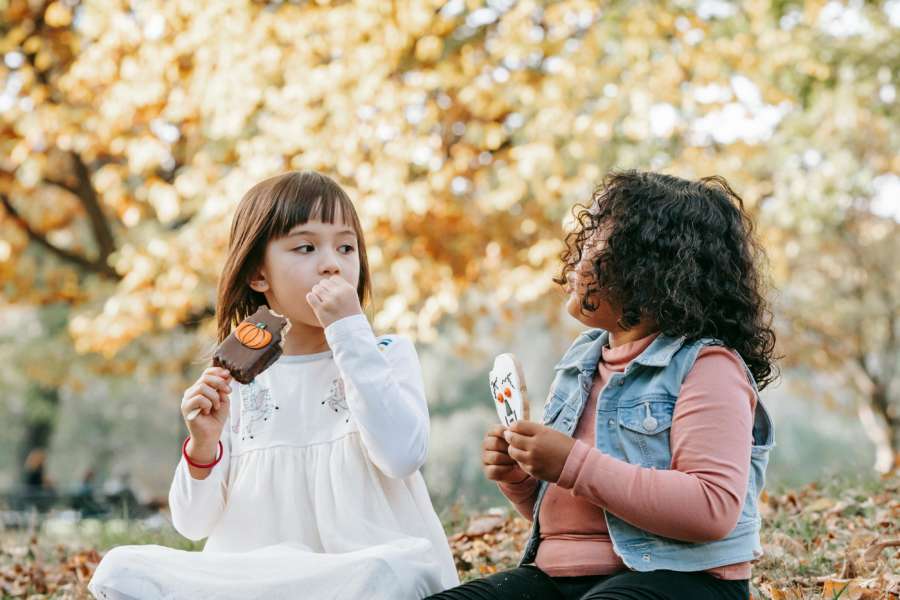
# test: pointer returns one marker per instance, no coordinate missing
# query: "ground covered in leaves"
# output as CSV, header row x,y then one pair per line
x,y
822,541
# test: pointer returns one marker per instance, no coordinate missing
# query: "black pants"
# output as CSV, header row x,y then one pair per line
x,y
531,583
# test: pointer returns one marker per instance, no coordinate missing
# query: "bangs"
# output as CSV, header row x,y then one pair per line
x,y
301,197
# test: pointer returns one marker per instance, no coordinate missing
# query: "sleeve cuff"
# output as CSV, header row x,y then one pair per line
x,y
347,326
574,462
211,480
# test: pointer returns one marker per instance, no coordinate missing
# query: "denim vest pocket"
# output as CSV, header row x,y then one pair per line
x,y
644,433
551,411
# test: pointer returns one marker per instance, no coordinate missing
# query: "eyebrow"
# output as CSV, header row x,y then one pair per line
x,y
313,233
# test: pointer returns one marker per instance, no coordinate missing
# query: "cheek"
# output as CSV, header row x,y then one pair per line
x,y
350,270
293,278
578,312
602,316
302,275
573,304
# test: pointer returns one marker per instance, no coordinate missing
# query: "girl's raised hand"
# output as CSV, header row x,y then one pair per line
x,y
332,299
539,450
209,396
496,462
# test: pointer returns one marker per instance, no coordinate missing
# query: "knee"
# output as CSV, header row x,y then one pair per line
x,y
113,563
523,582
477,589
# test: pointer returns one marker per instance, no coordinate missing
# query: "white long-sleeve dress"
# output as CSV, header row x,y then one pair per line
x,y
318,494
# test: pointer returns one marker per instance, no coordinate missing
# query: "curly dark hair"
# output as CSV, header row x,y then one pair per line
x,y
681,254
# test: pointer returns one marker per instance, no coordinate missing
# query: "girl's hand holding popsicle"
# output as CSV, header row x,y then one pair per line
x,y
205,407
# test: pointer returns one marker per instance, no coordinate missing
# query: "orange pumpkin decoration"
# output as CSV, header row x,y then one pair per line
x,y
253,335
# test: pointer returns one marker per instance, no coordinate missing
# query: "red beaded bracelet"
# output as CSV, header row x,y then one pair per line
x,y
197,465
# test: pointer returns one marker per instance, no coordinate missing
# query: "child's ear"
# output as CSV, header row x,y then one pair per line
x,y
258,281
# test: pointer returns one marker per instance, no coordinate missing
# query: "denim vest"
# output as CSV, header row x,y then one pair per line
x,y
634,415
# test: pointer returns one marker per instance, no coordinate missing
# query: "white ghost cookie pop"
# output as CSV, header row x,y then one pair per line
x,y
508,390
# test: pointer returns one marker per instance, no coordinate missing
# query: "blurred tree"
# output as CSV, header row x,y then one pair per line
x,y
833,216
841,306
464,130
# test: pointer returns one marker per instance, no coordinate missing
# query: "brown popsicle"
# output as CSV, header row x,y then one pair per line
x,y
253,346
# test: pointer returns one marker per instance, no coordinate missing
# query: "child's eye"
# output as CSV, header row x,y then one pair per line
x,y
347,248
305,248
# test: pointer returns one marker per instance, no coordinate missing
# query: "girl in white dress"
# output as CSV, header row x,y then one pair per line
x,y
306,481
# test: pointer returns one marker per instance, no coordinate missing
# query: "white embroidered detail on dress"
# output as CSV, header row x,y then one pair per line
x,y
336,399
257,406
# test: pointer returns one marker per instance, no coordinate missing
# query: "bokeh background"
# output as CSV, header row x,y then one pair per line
x,y
465,131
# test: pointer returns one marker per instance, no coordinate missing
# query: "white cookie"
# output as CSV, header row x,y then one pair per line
x,y
508,390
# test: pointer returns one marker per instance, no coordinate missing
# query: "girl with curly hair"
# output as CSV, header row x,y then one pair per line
x,y
642,479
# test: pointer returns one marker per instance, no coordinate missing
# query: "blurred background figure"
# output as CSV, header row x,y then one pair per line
x,y
84,499
37,491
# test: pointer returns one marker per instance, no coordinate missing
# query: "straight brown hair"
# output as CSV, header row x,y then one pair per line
x,y
269,210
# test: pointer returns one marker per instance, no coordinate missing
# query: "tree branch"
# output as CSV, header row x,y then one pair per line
x,y
61,185
101,267
88,196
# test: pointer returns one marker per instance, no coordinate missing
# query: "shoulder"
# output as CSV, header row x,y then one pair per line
x,y
720,369
393,344
399,352
389,339
713,357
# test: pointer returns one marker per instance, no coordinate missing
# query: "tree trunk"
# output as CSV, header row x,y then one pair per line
x,y
882,428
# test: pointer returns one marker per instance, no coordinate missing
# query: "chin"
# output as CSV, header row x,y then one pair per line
x,y
310,321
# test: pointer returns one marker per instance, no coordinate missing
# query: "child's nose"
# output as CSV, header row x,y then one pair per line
x,y
329,266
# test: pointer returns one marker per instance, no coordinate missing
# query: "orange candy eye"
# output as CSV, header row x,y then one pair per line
x,y
500,398
507,392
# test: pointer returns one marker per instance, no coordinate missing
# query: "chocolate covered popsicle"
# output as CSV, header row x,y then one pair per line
x,y
252,347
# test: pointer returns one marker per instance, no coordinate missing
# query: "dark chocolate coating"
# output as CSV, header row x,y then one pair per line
x,y
246,363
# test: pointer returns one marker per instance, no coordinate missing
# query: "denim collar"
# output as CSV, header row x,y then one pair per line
x,y
586,355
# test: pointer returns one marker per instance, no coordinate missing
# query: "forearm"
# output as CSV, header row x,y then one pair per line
x,y
385,394
197,496
196,504
202,453
694,507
